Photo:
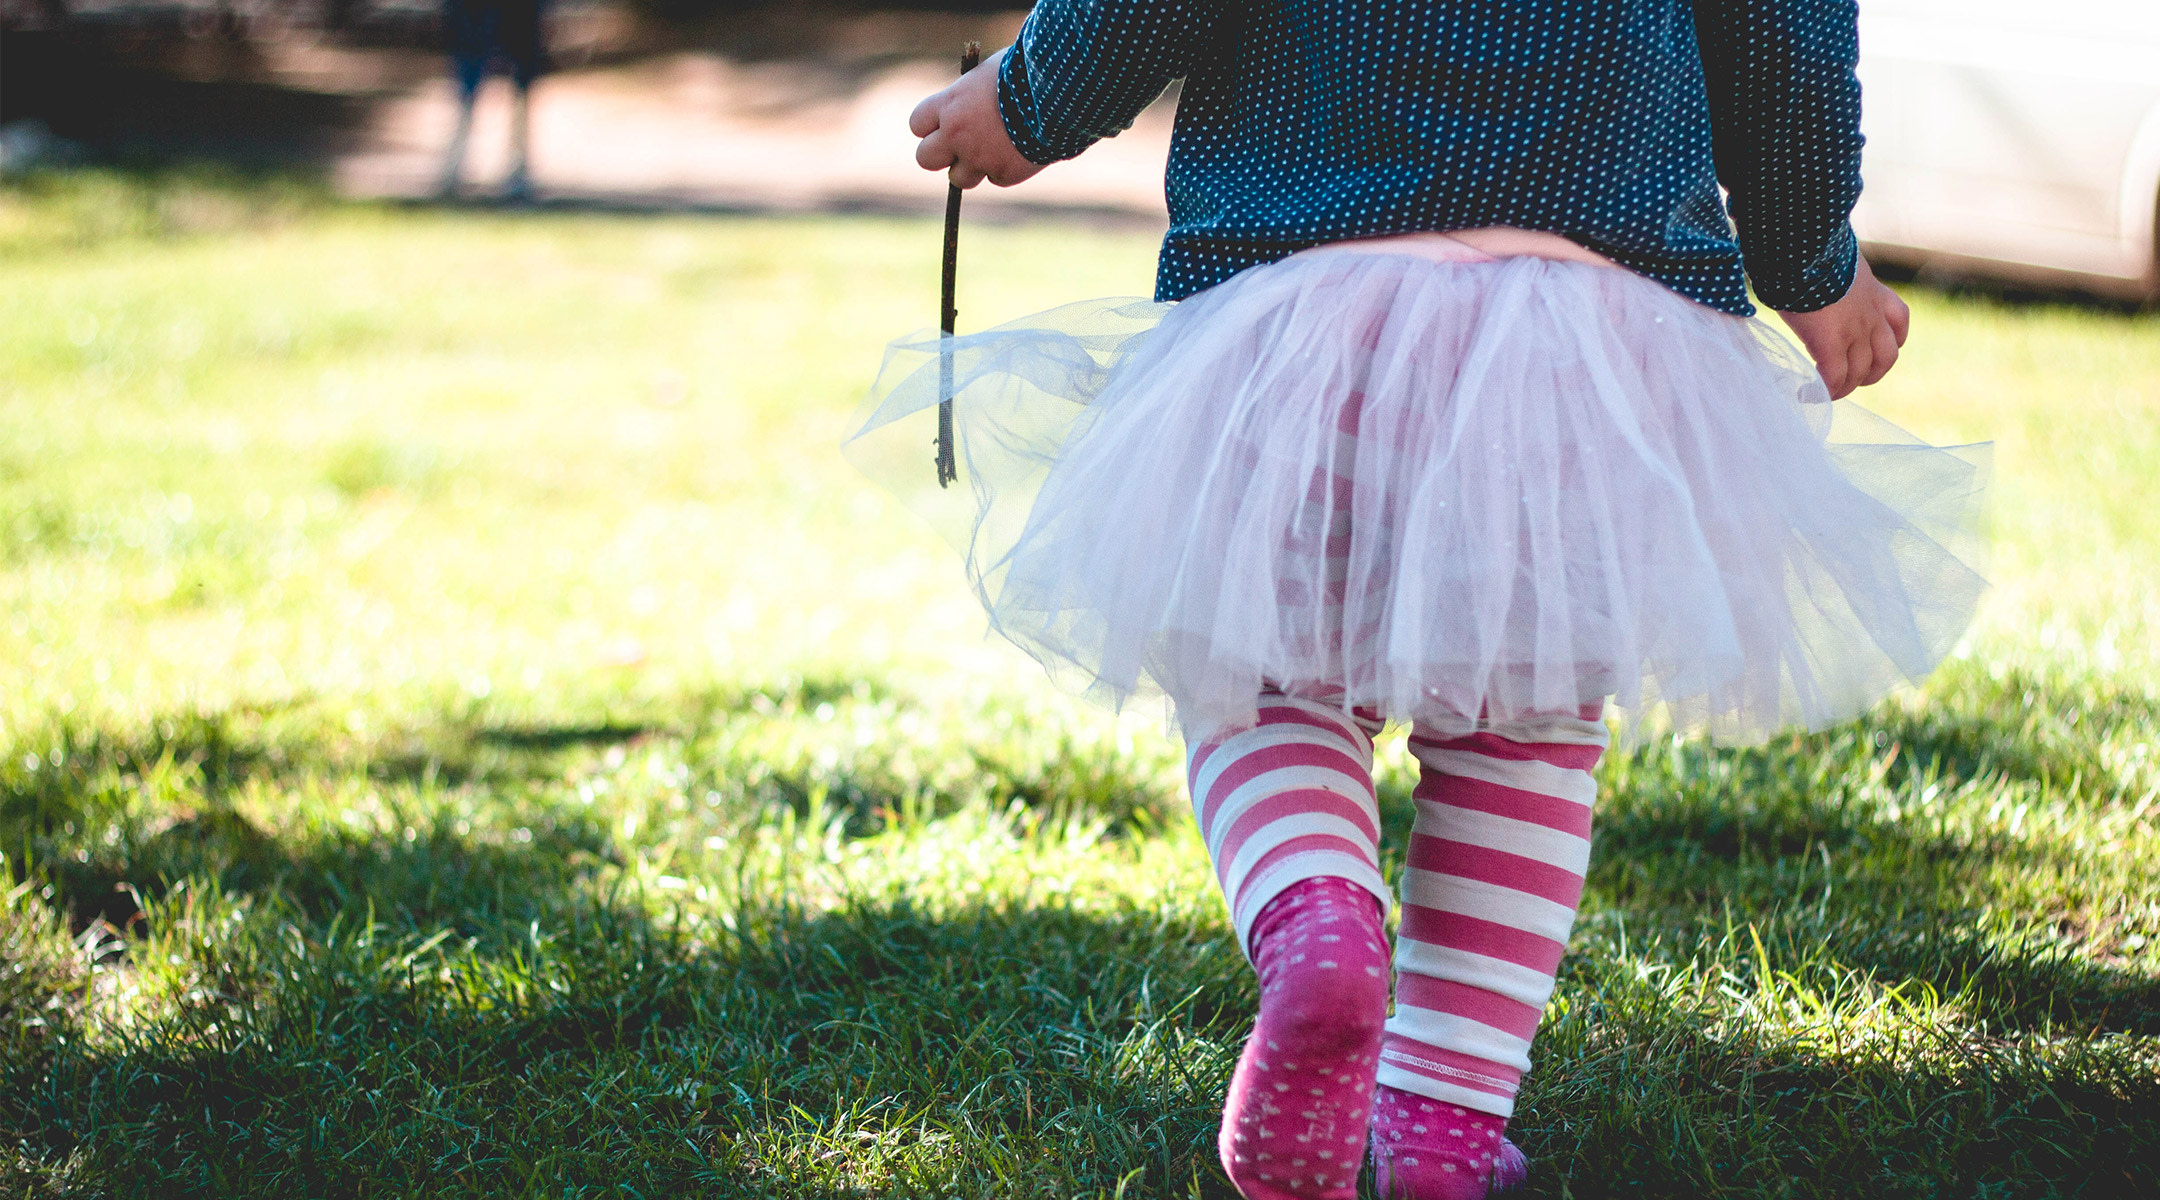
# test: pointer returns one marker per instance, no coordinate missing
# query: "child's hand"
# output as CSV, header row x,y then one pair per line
x,y
961,129
1855,341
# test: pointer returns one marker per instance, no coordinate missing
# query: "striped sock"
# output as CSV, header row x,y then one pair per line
x,y
1495,873
1289,799
1288,813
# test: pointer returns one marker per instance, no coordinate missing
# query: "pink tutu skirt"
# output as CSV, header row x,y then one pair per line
x,y
1451,492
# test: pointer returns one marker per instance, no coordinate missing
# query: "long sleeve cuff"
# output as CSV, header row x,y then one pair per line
x,y
1818,283
1017,107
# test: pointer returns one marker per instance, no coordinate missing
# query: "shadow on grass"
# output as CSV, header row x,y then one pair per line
x,y
881,1049
1640,1093
111,817
1834,845
891,1047
1903,906
2018,725
467,1004
560,737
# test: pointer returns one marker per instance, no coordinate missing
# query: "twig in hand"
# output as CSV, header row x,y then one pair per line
x,y
948,466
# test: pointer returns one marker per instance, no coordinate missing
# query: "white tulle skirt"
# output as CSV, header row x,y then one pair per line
x,y
1451,492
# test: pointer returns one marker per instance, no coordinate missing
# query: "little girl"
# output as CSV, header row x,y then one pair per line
x,y
1458,420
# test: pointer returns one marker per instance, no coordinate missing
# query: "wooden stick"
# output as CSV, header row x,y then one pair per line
x,y
948,465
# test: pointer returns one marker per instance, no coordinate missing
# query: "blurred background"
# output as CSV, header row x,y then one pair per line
x,y
2005,143
465,730
725,106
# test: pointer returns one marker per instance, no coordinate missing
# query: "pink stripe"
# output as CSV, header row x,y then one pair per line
x,y
1198,759
1297,802
1462,1000
1475,935
1395,1048
1496,867
1276,713
1290,846
1364,716
1273,758
1352,409
1293,593
1269,710
1479,795
1329,488
1492,745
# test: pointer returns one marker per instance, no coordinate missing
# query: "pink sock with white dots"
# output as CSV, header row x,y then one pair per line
x,y
1295,1121
1424,1149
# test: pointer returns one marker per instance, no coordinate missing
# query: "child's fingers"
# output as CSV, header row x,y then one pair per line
x,y
1859,363
1834,363
935,152
1833,376
964,176
1900,316
1834,380
924,120
1885,346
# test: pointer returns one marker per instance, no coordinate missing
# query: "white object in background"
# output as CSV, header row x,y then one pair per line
x,y
2014,139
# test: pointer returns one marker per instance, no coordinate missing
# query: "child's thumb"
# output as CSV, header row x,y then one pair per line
x,y
924,120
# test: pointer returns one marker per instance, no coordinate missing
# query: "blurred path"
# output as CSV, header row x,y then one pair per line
x,y
700,129
795,108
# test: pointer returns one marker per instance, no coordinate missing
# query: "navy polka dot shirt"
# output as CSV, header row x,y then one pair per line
x,y
1611,122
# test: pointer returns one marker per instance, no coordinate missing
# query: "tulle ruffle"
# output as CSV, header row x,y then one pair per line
x,y
1449,492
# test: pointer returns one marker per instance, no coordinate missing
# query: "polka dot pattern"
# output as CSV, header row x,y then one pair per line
x,y
1425,1149
1294,1122
1611,122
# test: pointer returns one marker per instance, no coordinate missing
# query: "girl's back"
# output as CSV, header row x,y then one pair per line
x,y
1597,119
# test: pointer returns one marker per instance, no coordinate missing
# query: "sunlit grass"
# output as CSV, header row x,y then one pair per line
x,y
469,733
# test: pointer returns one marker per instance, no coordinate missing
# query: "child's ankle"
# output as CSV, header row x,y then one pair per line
x,y
1328,935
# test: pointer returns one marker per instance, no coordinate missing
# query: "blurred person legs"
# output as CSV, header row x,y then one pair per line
x,y
524,45
1489,891
481,33
1288,813
517,186
469,28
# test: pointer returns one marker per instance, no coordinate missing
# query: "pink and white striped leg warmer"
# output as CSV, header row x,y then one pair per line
x,y
1288,813
1495,873
1287,800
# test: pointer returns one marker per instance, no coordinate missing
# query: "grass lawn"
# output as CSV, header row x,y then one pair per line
x,y
467,732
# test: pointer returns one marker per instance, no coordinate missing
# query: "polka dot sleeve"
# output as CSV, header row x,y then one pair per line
x,y
1082,70
1785,122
